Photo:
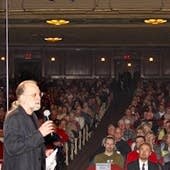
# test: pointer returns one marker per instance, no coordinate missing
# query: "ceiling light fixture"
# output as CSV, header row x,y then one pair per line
x,y
155,21
57,22
53,39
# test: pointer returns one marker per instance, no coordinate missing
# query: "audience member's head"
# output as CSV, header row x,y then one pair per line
x,y
140,131
139,141
121,124
118,134
150,138
109,144
127,123
144,151
111,130
146,127
167,139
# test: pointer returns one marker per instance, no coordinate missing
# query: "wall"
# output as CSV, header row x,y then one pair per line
x,y
86,63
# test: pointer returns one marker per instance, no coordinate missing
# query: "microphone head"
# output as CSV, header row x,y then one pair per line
x,y
46,113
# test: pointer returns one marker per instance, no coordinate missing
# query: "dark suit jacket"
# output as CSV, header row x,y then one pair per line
x,y
135,166
123,147
23,143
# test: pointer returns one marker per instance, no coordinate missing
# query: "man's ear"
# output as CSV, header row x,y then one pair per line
x,y
21,98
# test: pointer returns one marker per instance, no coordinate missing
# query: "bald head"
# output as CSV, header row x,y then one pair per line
x,y
23,86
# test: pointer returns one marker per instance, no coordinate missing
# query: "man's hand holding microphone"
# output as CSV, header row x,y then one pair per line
x,y
48,126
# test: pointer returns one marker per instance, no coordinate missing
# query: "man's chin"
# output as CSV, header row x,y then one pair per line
x,y
37,108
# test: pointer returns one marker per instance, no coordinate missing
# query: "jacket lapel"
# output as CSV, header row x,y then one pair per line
x,y
149,165
137,165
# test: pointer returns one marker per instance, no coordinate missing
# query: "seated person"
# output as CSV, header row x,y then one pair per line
x,y
121,145
151,139
134,155
143,162
165,150
109,155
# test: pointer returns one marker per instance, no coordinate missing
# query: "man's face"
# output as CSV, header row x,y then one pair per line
x,y
111,130
140,132
31,97
168,139
139,141
109,145
118,134
144,152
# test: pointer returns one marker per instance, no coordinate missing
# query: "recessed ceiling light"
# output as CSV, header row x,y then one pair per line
x,y
155,21
57,22
52,39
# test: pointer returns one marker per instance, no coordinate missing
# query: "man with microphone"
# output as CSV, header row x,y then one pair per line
x,y
24,147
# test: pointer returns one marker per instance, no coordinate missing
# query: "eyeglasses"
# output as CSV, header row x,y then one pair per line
x,y
35,94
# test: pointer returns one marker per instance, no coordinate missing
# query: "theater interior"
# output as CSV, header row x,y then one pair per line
x,y
85,39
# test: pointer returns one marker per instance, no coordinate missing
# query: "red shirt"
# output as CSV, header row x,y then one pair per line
x,y
63,135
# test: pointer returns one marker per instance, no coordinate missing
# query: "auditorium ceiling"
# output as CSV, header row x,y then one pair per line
x,y
93,23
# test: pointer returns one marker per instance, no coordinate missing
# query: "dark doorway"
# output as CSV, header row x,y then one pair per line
x,y
121,66
27,69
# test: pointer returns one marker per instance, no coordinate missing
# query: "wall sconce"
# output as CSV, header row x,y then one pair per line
x,y
129,64
52,59
151,59
2,58
103,59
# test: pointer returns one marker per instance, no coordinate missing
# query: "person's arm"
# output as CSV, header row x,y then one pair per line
x,y
16,142
129,167
120,161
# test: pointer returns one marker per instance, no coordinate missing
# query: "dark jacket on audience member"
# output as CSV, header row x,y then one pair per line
x,y
123,147
135,166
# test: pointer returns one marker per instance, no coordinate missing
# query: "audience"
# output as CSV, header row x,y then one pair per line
x,y
165,151
72,103
76,103
146,121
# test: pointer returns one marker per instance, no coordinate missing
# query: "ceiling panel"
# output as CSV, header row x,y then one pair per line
x,y
92,23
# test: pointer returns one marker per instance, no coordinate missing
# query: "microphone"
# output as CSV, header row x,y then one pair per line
x,y
47,114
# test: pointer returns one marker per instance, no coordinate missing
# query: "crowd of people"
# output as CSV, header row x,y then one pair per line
x,y
72,104
141,138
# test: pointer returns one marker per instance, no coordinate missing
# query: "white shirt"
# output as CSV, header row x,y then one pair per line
x,y
161,114
141,164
